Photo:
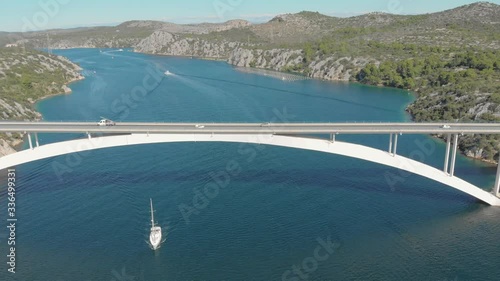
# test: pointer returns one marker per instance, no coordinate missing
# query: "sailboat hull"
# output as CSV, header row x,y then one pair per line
x,y
155,237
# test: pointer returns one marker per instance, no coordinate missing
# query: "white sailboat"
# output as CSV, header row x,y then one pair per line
x,y
155,235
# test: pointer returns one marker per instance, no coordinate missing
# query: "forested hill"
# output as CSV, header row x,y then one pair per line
x,y
452,85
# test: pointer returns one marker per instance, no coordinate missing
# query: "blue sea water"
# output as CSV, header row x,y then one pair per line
x,y
90,221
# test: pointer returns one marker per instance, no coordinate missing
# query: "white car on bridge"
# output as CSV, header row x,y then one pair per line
x,y
106,122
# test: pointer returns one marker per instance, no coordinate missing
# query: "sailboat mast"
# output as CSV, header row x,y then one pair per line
x,y
152,218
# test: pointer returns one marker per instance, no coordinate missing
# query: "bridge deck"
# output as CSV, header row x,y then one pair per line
x,y
253,128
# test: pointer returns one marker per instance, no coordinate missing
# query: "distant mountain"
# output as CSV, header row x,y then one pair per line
x,y
476,24
127,34
473,22
479,19
482,12
201,28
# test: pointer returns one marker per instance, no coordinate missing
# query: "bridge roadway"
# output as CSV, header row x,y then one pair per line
x,y
252,128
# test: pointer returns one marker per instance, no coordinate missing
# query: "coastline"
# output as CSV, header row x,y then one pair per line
x,y
179,56
18,144
63,93
413,92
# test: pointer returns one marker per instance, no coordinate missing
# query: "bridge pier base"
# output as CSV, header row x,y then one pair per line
x,y
496,188
447,156
29,140
332,138
454,155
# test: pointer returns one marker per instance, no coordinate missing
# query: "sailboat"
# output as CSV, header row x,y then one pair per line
x,y
155,235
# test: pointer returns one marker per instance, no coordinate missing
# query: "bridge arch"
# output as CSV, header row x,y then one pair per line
x,y
340,148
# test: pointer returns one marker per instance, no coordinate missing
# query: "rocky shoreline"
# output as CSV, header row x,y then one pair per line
x,y
66,90
246,54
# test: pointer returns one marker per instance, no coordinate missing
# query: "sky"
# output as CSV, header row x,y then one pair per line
x,y
28,15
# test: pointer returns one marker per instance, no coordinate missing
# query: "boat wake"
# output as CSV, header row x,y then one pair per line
x,y
200,86
110,51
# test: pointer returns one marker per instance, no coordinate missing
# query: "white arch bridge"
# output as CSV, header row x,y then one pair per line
x,y
293,135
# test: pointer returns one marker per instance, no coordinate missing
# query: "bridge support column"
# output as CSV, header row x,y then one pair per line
x,y
447,156
496,188
36,140
395,145
454,155
29,140
390,144
393,140
89,135
332,138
